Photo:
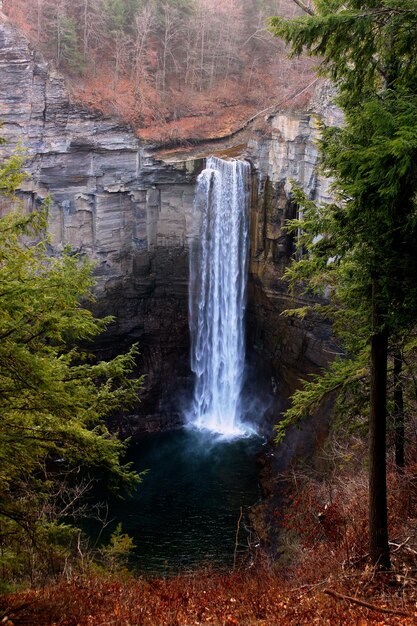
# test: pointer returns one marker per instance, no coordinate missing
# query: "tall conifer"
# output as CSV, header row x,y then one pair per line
x,y
367,249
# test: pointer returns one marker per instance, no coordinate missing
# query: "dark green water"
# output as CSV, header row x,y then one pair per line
x,y
185,512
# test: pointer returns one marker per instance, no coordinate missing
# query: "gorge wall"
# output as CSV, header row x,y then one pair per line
x,y
132,213
126,211
291,348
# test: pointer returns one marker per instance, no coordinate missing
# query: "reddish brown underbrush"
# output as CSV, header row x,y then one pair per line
x,y
256,597
324,526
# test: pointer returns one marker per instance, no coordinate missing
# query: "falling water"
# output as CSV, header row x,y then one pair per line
x,y
218,269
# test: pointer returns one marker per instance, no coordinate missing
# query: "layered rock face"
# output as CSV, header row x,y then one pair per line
x,y
288,348
131,214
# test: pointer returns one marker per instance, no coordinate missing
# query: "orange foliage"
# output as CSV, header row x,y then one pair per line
x,y
260,74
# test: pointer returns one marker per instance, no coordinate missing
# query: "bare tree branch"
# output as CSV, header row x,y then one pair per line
x,y
368,605
303,6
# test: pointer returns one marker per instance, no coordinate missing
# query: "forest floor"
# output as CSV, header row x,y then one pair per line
x,y
248,598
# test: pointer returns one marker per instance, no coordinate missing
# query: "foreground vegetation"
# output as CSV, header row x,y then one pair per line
x,y
319,573
359,252
54,396
259,599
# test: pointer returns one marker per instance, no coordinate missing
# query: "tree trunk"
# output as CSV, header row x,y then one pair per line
x,y
38,20
378,516
85,30
398,411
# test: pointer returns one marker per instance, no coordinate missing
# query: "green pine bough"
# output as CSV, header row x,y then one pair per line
x,y
54,396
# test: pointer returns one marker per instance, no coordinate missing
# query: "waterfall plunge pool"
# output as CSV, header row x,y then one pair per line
x,y
185,512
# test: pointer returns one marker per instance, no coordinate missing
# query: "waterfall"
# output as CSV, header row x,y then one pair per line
x,y
218,270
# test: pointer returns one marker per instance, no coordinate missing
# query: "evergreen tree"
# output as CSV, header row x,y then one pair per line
x,y
367,244
120,14
53,396
68,53
60,29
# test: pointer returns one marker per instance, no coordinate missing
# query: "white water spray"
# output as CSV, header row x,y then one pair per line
x,y
218,270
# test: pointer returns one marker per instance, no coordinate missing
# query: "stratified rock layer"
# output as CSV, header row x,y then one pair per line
x,y
132,214
128,212
293,348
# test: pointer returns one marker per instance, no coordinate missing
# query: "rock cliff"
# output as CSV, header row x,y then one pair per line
x,y
132,214
287,151
128,212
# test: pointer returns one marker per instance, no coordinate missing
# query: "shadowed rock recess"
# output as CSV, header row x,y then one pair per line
x,y
132,214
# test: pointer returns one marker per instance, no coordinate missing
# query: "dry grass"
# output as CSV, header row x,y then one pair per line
x,y
258,597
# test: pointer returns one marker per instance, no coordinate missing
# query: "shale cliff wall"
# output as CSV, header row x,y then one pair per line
x,y
132,214
110,200
289,349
